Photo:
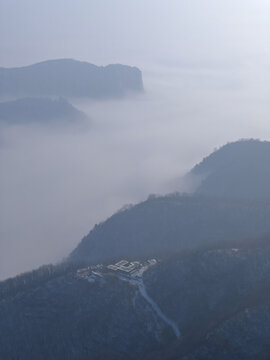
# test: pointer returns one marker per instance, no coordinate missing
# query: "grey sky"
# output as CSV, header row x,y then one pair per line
x,y
137,32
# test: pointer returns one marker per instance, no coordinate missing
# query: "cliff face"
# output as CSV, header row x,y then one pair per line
x,y
70,78
205,304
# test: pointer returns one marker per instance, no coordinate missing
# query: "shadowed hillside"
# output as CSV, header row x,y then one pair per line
x,y
217,297
171,223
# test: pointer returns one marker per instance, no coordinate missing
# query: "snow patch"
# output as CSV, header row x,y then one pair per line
x,y
136,279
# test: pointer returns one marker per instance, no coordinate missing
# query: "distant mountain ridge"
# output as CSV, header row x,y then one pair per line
x,y
70,78
239,169
38,110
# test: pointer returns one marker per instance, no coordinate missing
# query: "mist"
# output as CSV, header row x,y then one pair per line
x,y
207,81
57,182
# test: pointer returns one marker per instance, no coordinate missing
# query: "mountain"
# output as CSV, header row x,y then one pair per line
x,y
171,223
204,304
237,170
70,78
232,201
38,110
176,277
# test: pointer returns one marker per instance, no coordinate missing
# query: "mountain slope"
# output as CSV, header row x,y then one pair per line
x,y
69,317
237,170
171,223
70,78
205,296
218,298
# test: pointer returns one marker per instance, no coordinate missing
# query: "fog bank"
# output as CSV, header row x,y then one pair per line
x,y
56,183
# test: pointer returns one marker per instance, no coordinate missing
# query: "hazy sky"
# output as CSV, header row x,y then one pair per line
x,y
104,31
206,70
